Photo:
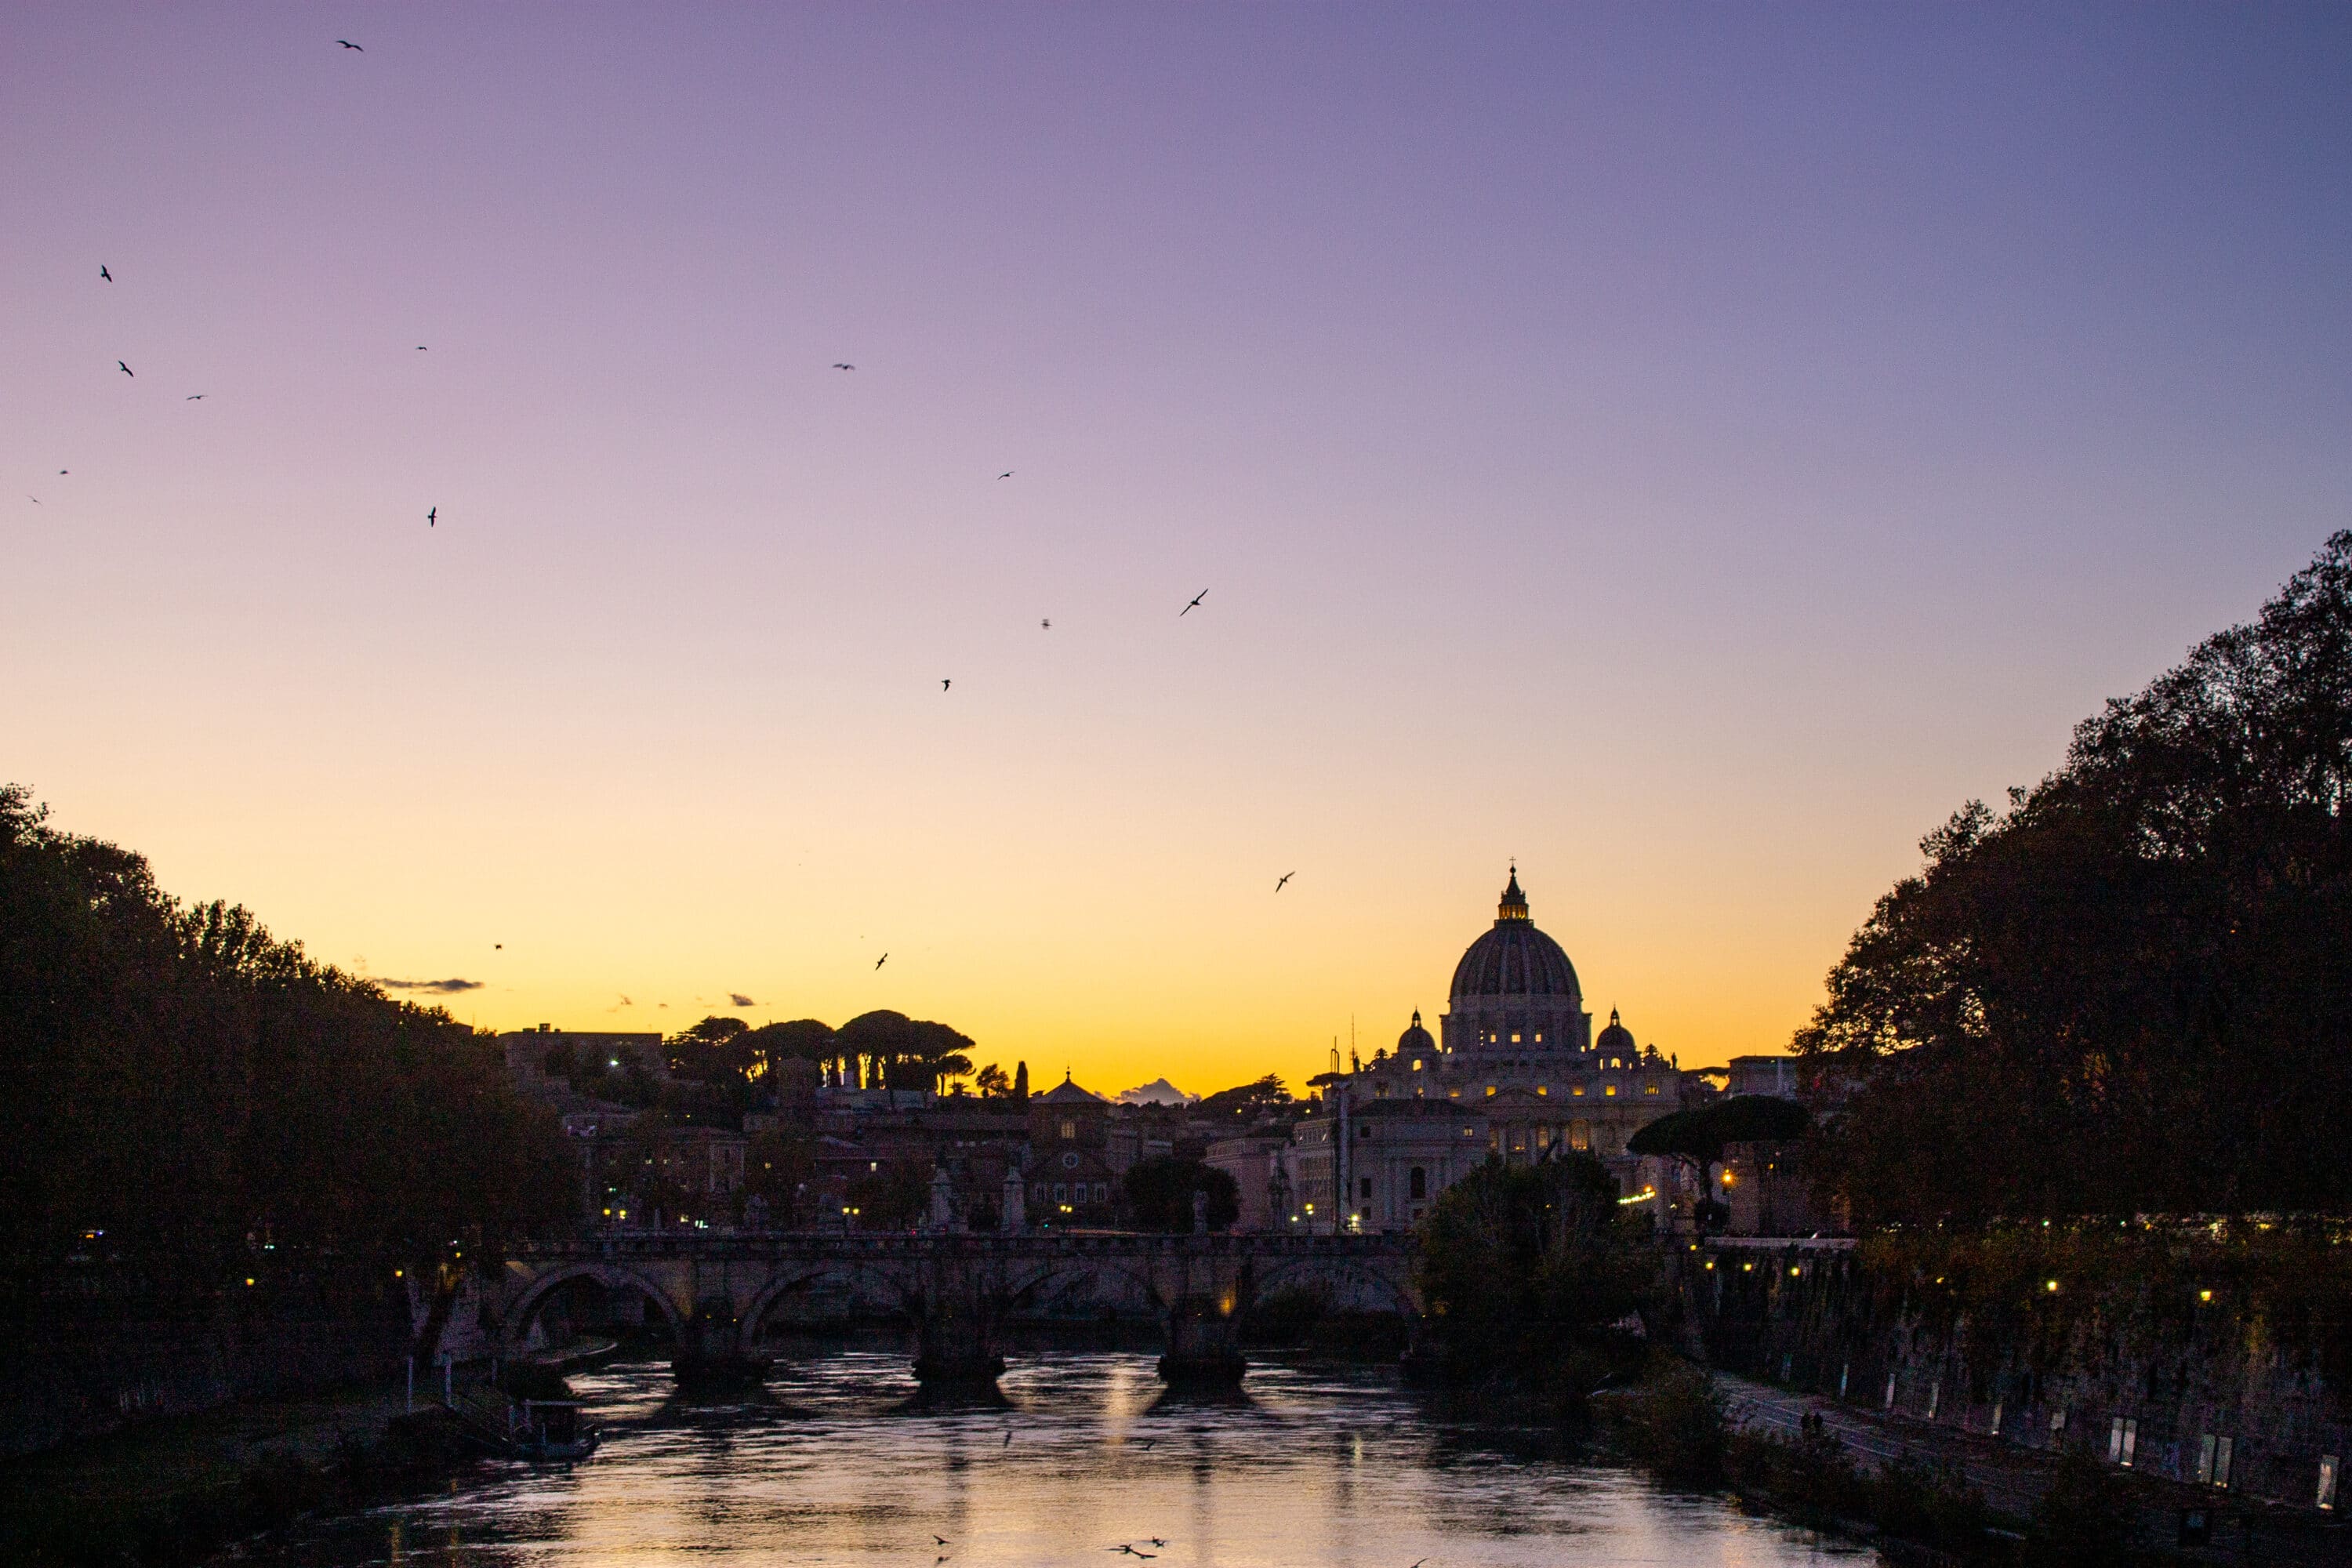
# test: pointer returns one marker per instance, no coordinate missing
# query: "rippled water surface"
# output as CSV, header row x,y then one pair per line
x,y
841,1461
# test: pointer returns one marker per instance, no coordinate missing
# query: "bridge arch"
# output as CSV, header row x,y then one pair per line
x,y
785,1282
1023,1285
514,1323
1276,1273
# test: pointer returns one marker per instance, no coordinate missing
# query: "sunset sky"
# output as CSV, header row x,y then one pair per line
x,y
1689,449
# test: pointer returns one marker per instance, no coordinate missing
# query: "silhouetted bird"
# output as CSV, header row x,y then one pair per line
x,y
126,370
881,960
431,518
1285,877
420,348
64,470
349,45
1005,475
35,500
1157,1542
102,272
194,398
838,364
498,944
1008,1438
1147,1443
945,684
1194,605
940,1541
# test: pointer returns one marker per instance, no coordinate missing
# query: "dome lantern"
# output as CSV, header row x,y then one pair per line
x,y
1514,905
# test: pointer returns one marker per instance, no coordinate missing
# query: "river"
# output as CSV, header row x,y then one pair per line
x,y
841,1461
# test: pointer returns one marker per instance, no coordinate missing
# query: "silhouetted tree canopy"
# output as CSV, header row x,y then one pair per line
x,y
180,1081
1522,1264
1247,1104
906,1053
1701,1133
1160,1194
2129,990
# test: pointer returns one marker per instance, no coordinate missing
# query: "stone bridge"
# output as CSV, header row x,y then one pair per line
x,y
721,1293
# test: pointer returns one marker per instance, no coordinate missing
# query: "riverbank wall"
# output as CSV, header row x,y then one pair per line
x,y
2208,1361
87,1357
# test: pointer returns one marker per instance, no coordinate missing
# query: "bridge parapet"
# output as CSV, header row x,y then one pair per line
x,y
954,1289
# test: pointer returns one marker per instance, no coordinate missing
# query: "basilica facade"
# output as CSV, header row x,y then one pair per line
x,y
1515,1072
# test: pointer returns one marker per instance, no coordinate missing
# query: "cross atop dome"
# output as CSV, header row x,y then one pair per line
x,y
1513,906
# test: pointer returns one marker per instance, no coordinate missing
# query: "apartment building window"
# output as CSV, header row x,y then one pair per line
x,y
2123,1437
2327,1480
1417,1182
1102,1192
1061,1192
1070,1131
1364,1187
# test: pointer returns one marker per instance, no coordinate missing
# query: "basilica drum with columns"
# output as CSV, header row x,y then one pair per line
x,y
1515,1073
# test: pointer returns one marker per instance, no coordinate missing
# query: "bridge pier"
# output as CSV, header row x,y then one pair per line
x,y
955,1347
954,1317
1204,1343
710,1350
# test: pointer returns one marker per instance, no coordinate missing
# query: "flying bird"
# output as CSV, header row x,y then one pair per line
x,y
881,960
102,272
349,45
498,944
194,398
1194,605
431,517
1047,624
420,348
1155,1539
1285,877
1005,475
839,364
65,470
35,500
945,684
939,1541
126,370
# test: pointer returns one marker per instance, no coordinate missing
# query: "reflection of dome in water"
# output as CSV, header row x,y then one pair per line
x,y
1514,959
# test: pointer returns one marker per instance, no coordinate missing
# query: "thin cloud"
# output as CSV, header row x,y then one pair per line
x,y
437,988
740,1000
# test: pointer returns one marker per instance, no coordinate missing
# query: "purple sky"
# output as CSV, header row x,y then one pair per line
x,y
1692,449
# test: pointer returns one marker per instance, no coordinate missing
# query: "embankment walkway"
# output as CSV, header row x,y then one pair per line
x,y
2014,1479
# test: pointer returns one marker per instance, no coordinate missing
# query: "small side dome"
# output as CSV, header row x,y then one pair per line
x,y
1415,1038
1616,1039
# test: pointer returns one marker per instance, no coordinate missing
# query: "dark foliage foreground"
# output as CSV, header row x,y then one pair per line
x,y
187,1095
1533,1279
2128,991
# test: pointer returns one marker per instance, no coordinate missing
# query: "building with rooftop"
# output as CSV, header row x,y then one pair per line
x,y
1514,1073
